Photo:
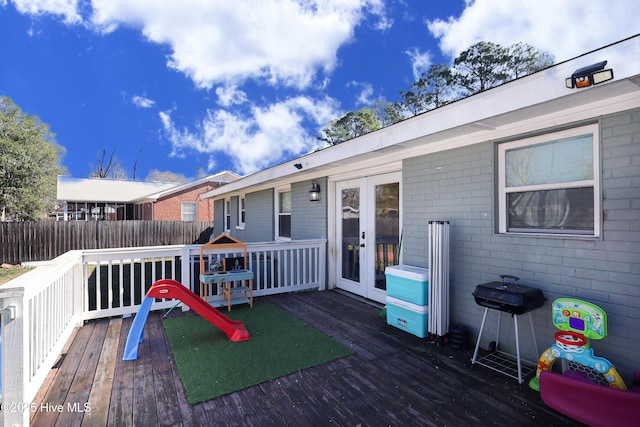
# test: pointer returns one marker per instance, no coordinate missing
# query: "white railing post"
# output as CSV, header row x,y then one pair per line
x,y
78,291
185,268
185,273
15,362
322,267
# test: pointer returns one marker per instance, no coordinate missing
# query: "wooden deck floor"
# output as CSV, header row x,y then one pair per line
x,y
392,379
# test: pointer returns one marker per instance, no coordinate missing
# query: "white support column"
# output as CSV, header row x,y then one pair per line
x,y
15,378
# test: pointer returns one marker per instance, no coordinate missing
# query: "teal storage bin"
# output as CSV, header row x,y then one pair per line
x,y
409,317
408,283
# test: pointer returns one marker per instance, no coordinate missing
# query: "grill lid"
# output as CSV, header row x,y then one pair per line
x,y
509,297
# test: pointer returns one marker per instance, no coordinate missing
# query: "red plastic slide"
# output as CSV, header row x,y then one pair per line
x,y
169,288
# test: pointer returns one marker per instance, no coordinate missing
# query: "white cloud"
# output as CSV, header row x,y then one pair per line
x,y
257,139
365,96
420,62
221,41
67,9
564,28
177,137
142,101
230,95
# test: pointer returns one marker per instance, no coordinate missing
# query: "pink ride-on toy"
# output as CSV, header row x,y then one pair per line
x,y
591,390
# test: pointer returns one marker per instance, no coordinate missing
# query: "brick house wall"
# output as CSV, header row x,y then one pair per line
x,y
169,208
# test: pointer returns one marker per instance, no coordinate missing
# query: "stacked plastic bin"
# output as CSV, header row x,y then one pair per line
x,y
407,298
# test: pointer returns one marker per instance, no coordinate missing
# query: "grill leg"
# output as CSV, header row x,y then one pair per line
x,y
515,325
533,334
498,330
484,319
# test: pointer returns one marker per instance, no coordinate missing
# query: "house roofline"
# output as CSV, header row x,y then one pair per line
x,y
477,118
221,177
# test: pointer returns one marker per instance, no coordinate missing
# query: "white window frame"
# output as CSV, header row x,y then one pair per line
x,y
541,139
195,211
277,192
227,215
242,205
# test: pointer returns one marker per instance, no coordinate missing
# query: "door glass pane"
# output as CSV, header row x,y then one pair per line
x,y
350,231
387,223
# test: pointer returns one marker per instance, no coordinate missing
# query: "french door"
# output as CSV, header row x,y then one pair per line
x,y
367,233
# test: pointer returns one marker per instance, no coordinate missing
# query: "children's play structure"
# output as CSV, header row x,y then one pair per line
x,y
589,390
230,273
169,288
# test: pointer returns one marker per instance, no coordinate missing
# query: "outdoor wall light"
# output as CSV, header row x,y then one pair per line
x,y
590,75
11,312
314,193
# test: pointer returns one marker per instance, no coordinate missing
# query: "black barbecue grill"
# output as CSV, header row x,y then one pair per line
x,y
509,298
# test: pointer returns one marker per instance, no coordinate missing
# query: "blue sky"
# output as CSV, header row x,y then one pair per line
x,y
242,85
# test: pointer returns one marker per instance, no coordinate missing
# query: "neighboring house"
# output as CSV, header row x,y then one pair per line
x,y
183,202
86,199
105,199
538,180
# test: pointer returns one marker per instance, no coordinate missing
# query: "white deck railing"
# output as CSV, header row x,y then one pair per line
x,y
40,309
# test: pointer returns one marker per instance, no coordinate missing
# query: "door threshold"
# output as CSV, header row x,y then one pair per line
x,y
371,302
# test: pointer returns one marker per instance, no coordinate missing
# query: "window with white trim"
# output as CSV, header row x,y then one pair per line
x,y
241,211
189,211
227,215
549,184
283,213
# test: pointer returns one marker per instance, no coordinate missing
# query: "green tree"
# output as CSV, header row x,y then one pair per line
x,y
351,125
29,164
433,89
482,66
525,59
388,112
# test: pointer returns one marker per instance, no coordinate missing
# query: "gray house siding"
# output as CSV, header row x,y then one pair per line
x,y
259,217
308,219
459,185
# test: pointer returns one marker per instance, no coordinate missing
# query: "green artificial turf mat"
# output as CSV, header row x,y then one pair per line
x,y
211,366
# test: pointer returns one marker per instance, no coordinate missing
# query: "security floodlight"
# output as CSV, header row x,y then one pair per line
x,y
590,75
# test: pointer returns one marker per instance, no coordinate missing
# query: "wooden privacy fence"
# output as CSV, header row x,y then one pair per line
x,y
41,241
